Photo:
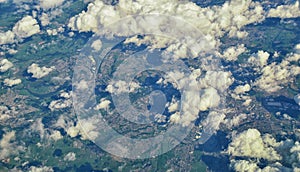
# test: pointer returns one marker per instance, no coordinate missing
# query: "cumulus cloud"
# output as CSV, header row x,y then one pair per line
x,y
202,93
12,82
249,166
250,144
47,4
275,75
41,169
56,135
97,45
39,72
5,65
44,19
241,93
5,113
64,102
120,86
232,53
71,156
213,22
7,37
8,146
242,89
259,59
104,104
286,11
26,27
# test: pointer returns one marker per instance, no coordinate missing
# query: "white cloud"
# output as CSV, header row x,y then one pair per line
x,y
47,4
120,86
5,65
275,75
104,104
26,27
12,82
97,45
232,53
250,144
62,103
71,156
7,37
242,89
213,22
5,113
39,72
243,166
41,169
259,59
56,135
44,19
285,11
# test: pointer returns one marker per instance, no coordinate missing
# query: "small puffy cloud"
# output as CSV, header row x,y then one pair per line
x,y
26,27
285,11
251,144
104,104
87,129
120,86
232,53
7,37
44,19
11,82
259,59
5,113
62,103
97,45
41,169
5,65
47,4
56,135
39,72
242,89
71,156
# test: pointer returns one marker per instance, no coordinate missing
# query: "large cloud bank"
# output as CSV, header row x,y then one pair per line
x,y
213,22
